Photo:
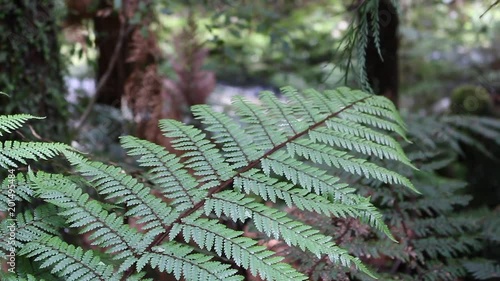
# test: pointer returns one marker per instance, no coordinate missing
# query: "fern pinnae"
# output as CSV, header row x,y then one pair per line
x,y
15,151
211,235
237,147
109,231
483,269
361,45
386,114
307,109
376,122
9,123
178,259
68,261
275,223
23,191
320,153
262,130
360,145
270,189
30,225
112,182
201,155
364,132
375,27
277,111
167,173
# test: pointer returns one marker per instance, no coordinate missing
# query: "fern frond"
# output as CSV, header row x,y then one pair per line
x,y
180,261
108,230
68,261
451,270
114,183
15,151
202,155
275,223
211,235
281,151
261,129
30,225
167,172
270,189
447,247
482,126
483,269
23,191
9,123
375,26
236,145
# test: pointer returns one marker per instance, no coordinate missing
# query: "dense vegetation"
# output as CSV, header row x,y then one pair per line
x,y
158,173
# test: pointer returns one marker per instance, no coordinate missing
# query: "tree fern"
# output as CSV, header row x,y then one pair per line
x,y
291,152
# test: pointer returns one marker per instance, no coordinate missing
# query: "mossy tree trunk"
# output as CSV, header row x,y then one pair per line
x,y
31,66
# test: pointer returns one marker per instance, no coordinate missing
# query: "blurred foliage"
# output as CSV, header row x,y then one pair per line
x,y
31,68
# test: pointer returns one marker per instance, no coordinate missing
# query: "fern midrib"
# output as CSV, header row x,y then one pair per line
x,y
252,164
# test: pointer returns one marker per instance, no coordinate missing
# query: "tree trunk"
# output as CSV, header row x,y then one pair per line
x,y
31,66
383,72
107,29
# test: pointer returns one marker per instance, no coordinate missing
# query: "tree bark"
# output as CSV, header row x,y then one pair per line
x,y
31,66
107,29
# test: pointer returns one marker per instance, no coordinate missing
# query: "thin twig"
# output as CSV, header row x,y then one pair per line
x,y
104,78
489,8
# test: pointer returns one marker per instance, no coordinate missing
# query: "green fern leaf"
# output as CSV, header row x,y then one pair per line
x,y
23,191
168,173
180,261
276,224
245,252
9,123
202,155
114,183
270,189
14,151
108,230
68,261
483,269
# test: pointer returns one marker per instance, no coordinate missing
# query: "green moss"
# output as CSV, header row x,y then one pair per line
x,y
471,99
